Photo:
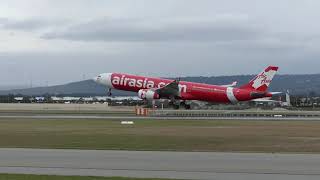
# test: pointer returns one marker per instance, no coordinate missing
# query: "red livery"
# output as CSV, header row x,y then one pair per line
x,y
180,91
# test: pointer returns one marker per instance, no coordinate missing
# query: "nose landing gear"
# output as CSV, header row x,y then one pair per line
x,y
109,93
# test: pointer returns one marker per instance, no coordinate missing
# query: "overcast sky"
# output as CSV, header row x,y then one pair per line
x,y
58,41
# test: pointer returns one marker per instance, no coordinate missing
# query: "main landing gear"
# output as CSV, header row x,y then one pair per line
x,y
185,105
177,105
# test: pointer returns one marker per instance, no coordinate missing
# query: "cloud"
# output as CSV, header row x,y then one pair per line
x,y
31,24
221,28
226,30
232,31
208,37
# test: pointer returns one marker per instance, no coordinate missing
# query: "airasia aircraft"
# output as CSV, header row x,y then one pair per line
x,y
149,88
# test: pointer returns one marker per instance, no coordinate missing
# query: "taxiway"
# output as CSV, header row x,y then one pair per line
x,y
180,165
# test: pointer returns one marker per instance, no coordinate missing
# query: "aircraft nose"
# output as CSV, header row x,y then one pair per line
x,y
104,79
97,79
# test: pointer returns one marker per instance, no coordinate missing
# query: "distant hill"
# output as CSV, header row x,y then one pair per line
x,y
81,88
296,84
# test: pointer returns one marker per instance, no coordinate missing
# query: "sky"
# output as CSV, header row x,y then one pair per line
x,y
49,42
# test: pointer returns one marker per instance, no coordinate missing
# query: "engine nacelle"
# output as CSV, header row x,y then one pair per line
x,y
148,94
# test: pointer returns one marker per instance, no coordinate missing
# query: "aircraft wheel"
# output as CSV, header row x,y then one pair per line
x,y
187,106
176,106
183,103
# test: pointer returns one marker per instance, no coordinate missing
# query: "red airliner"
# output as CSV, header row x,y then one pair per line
x,y
149,88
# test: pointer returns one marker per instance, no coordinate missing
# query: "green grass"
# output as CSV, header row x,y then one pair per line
x,y
173,135
45,177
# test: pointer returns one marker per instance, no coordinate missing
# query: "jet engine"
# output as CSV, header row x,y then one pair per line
x,y
148,94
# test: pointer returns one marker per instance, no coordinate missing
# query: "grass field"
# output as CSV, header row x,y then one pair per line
x,y
44,177
173,135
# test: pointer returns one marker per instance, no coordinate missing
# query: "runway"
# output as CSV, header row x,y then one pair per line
x,y
133,117
104,112
181,165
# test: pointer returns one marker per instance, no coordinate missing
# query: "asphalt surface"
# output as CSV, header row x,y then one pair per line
x,y
182,165
126,117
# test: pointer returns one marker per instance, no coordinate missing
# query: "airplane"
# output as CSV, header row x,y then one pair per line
x,y
180,92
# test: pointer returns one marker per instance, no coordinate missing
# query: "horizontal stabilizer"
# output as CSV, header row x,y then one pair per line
x,y
264,100
275,93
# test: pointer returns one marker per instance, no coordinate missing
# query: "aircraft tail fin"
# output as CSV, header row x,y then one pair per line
x,y
262,81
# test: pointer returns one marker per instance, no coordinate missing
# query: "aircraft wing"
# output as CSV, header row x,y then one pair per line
x,y
171,90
